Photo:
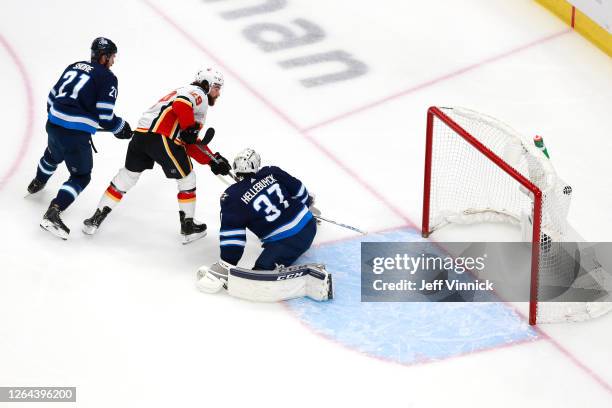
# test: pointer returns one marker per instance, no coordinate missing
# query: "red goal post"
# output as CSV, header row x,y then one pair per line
x,y
435,113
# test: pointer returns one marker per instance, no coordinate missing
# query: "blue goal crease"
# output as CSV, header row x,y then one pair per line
x,y
405,332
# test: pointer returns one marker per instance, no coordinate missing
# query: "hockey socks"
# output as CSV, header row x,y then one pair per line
x,y
123,181
187,194
67,193
191,230
187,202
46,167
111,197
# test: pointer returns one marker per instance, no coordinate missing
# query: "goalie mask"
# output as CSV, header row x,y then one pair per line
x,y
247,161
208,78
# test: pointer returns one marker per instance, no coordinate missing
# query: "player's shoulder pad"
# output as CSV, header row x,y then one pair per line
x,y
277,170
105,77
195,94
77,63
270,169
101,70
82,66
225,198
228,201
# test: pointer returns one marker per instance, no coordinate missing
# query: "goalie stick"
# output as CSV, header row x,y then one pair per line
x,y
318,217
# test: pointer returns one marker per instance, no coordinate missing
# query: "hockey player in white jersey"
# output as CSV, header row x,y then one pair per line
x,y
165,133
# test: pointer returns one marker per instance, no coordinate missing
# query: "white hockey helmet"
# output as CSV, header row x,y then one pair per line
x,y
211,76
247,161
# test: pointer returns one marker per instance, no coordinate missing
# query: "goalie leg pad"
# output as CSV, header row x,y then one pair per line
x,y
208,282
310,280
210,279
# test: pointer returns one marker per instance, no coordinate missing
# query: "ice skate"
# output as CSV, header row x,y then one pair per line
x,y
91,225
53,223
190,229
35,186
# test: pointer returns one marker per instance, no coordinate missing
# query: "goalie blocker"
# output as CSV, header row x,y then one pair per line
x,y
292,282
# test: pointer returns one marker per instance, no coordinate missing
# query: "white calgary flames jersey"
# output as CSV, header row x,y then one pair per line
x,y
184,105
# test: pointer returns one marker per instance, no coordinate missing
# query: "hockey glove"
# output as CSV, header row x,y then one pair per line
x,y
220,165
314,210
311,200
125,132
190,135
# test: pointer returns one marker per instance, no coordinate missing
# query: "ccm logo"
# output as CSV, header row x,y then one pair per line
x,y
290,276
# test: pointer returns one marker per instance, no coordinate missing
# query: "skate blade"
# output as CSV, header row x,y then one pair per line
x,y
28,194
89,229
188,239
48,226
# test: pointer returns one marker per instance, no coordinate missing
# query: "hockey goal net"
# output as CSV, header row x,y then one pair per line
x,y
477,169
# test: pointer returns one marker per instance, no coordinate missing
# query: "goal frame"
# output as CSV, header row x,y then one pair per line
x,y
433,113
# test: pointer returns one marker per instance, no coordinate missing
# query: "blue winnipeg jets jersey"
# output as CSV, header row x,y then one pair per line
x,y
271,203
84,98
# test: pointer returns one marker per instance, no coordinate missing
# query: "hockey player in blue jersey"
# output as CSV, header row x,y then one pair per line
x,y
277,208
273,205
81,102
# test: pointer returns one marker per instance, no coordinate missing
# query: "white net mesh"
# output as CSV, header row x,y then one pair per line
x,y
468,187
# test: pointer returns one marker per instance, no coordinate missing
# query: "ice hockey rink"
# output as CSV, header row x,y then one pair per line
x,y
117,315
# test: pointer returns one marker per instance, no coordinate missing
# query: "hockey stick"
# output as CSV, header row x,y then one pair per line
x,y
318,217
224,180
208,136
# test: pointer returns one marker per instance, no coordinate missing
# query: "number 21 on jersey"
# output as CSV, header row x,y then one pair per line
x,y
69,77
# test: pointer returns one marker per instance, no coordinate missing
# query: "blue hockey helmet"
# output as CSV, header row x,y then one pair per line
x,y
102,46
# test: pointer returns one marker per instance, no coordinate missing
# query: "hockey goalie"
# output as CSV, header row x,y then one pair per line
x,y
277,208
